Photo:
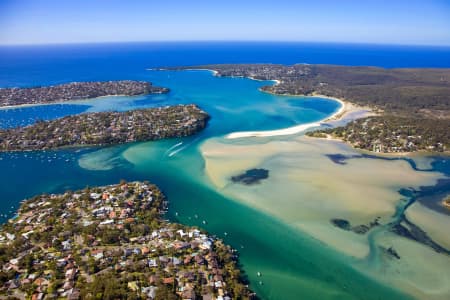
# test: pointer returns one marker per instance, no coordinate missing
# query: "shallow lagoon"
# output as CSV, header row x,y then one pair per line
x,y
290,242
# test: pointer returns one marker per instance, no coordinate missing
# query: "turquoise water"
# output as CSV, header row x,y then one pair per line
x,y
293,265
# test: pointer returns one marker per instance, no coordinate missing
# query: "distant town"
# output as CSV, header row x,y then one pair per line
x,y
76,91
413,104
106,128
111,242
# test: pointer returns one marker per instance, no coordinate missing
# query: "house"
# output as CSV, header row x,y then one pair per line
x,y
40,281
181,245
107,222
176,261
152,263
95,196
187,259
168,280
97,254
66,245
181,233
206,245
152,279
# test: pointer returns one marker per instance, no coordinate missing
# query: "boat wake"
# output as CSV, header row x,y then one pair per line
x,y
175,149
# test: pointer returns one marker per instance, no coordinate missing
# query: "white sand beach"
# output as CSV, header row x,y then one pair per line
x,y
279,132
346,109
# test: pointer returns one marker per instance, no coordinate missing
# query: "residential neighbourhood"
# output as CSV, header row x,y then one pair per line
x,y
111,242
106,128
76,91
391,135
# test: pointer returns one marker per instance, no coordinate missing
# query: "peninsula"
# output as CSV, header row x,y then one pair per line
x,y
111,242
106,128
413,105
76,91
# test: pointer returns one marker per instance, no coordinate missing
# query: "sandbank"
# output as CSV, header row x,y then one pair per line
x,y
279,132
306,189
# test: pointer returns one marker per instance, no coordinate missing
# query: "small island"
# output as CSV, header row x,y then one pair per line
x,y
76,91
111,242
413,104
106,128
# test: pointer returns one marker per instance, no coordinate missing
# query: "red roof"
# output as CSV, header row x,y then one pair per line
x,y
168,280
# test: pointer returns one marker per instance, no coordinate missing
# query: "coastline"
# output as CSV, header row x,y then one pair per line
x,y
6,107
382,154
345,109
215,73
278,132
73,102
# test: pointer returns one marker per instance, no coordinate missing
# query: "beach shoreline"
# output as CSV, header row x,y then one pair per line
x,y
345,109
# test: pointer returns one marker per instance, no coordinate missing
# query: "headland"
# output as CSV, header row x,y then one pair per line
x,y
106,128
11,97
111,242
412,105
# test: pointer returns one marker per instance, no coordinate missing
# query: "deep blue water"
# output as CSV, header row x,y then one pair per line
x,y
29,115
52,64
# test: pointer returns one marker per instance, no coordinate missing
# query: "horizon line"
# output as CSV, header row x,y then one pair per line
x,y
225,41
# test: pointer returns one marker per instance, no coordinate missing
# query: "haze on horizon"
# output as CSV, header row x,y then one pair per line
x,y
412,22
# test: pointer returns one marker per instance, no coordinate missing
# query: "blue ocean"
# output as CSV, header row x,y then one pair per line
x,y
53,64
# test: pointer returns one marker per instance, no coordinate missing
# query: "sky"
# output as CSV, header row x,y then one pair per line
x,y
414,22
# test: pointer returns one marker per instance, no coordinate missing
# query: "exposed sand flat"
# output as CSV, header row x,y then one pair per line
x,y
337,238
359,191
306,189
436,224
422,161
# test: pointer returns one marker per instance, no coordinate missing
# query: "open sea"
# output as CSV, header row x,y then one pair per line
x,y
294,265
